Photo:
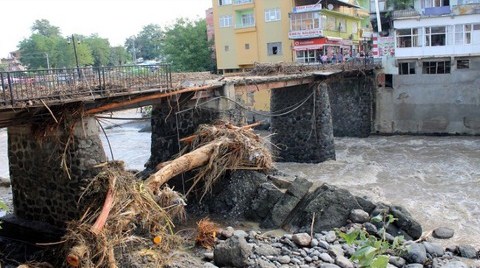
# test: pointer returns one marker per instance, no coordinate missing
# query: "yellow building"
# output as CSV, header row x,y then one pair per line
x,y
248,31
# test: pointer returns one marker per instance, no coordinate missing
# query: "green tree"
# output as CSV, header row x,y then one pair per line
x,y
185,46
34,50
118,56
147,44
43,27
100,48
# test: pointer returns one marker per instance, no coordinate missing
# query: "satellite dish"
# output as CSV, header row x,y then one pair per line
x,y
330,6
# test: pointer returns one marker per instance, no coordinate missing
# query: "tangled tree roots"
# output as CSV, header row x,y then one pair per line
x,y
124,212
134,211
214,149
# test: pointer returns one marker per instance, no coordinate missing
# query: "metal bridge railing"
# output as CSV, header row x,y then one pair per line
x,y
72,84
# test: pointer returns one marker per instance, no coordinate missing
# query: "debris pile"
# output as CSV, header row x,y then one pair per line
x,y
127,213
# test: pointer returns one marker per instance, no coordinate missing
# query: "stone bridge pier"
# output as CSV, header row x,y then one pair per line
x,y
302,124
42,188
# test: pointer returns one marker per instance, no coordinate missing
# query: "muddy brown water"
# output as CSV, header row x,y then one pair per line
x,y
436,178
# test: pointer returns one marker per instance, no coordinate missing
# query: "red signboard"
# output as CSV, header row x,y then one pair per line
x,y
317,43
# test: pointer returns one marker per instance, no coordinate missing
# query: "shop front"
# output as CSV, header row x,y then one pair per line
x,y
311,50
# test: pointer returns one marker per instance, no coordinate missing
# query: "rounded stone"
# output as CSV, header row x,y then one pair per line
x,y
467,251
359,216
284,259
443,233
302,239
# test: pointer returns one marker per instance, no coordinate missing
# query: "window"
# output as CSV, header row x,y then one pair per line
x,y
247,20
331,22
274,48
435,36
227,48
354,28
436,67
272,14
225,21
463,34
306,56
436,3
304,21
247,46
406,68
239,2
463,64
407,37
342,26
224,2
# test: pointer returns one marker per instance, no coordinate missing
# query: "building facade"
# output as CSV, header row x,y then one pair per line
x,y
329,27
271,31
433,71
248,31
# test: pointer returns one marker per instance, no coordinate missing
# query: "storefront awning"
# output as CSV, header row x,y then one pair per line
x,y
319,43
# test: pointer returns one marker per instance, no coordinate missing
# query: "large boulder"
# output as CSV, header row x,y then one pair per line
x,y
330,205
287,203
232,196
233,252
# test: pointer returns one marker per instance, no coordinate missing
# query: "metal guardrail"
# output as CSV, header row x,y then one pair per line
x,y
76,83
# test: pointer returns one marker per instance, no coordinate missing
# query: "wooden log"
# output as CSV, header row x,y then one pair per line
x,y
76,254
186,162
117,105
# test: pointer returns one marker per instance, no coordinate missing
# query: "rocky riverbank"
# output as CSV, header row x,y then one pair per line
x,y
237,248
321,223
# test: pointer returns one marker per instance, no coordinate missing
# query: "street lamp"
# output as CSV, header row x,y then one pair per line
x,y
75,51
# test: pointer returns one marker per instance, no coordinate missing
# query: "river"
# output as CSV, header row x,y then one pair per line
x,y
436,178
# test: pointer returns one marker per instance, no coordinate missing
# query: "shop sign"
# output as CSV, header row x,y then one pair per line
x,y
309,44
305,34
307,8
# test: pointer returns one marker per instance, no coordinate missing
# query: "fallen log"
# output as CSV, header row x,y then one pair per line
x,y
184,163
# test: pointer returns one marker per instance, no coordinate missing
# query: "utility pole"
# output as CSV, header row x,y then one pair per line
x,y
76,56
48,61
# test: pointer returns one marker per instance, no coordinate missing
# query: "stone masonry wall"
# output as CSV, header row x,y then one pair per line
x,y
167,127
305,134
42,190
351,99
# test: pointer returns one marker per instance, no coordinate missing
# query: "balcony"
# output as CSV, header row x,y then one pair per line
x,y
397,14
437,11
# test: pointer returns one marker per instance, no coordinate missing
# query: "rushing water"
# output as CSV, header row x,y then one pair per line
x,y
436,178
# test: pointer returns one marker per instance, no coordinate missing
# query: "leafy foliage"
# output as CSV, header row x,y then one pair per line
x,y
47,44
185,46
3,207
370,249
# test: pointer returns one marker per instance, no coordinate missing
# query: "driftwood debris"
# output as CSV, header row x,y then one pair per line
x,y
151,205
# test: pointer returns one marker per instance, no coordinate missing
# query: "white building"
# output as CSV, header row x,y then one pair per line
x,y
432,75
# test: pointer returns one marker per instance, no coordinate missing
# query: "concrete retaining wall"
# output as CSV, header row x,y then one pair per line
x,y
431,103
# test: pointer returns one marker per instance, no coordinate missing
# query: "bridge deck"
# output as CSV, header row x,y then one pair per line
x,y
40,87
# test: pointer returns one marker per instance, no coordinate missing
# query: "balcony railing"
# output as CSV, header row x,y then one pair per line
x,y
435,11
244,25
80,83
241,2
405,13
